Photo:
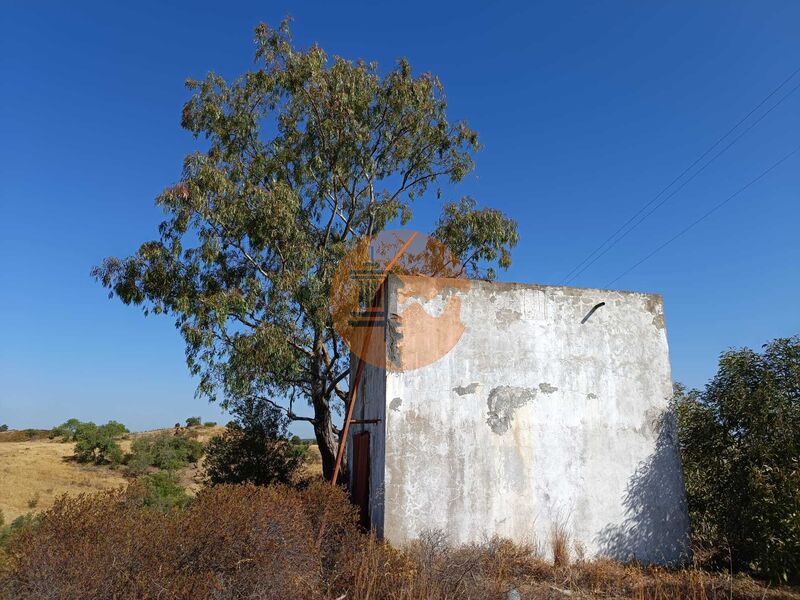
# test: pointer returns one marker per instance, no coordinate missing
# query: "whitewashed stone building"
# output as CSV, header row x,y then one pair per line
x,y
510,409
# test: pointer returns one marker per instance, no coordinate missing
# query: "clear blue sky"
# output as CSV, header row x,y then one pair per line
x,y
586,110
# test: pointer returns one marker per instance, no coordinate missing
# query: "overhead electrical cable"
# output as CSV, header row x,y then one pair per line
x,y
591,258
705,216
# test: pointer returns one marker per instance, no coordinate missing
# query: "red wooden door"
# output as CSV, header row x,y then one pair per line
x,y
359,493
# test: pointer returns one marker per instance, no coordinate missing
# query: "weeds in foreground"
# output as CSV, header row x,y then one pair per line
x,y
244,541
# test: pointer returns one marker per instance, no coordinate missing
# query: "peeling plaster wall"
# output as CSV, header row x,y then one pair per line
x,y
532,419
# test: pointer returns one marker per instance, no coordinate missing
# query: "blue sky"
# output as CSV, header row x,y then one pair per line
x,y
585,110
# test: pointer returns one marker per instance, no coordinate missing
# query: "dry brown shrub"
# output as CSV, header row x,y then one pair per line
x,y
233,542
245,541
24,435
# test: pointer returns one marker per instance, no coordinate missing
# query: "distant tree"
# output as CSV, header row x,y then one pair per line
x,y
98,444
740,446
305,156
253,449
115,429
66,431
193,422
3,427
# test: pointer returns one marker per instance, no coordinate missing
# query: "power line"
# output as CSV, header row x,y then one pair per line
x,y
686,182
577,270
705,216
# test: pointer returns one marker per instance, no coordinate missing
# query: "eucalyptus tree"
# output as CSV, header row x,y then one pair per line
x,y
302,157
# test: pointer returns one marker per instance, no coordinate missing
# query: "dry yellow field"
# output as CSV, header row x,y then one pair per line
x,y
34,472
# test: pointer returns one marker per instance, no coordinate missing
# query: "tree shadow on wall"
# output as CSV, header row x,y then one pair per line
x,y
655,528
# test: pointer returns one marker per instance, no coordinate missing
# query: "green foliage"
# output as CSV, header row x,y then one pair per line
x,y
115,430
210,424
98,444
22,522
66,431
163,491
254,449
740,445
163,451
303,157
193,422
477,236
3,427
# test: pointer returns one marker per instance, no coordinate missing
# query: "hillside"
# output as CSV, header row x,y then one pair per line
x,y
34,472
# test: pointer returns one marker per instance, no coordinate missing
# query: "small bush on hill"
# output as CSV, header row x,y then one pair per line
x,y
163,491
210,424
193,422
3,427
740,443
254,449
163,451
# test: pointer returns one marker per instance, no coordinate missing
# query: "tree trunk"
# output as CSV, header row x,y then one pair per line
x,y
326,438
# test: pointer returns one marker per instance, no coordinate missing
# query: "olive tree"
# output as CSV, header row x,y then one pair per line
x,y
303,157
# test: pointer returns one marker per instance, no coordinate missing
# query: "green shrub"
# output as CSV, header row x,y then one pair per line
x,y
115,429
3,427
21,523
98,443
163,491
163,451
254,449
740,442
210,424
66,431
193,422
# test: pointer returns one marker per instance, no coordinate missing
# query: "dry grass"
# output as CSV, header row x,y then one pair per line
x,y
42,469
279,542
312,468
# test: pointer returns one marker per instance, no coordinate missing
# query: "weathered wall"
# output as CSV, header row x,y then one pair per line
x,y
535,418
371,407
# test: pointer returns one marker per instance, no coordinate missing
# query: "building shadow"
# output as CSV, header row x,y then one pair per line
x,y
656,523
